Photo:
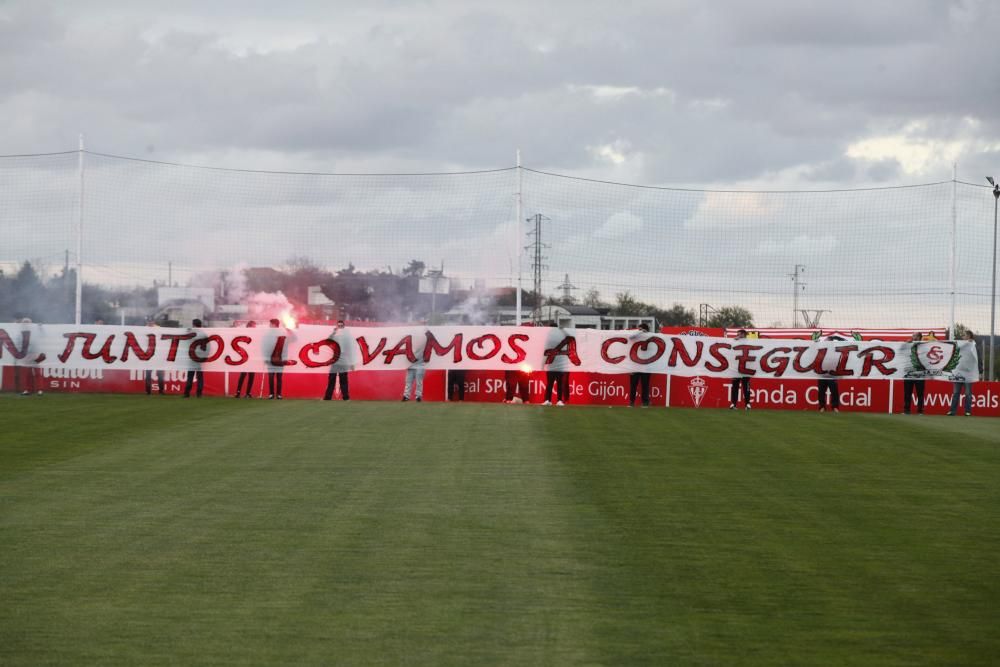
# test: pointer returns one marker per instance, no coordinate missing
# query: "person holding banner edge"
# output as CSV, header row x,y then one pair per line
x,y
967,386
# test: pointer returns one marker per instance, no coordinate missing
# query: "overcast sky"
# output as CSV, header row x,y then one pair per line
x,y
789,93
763,95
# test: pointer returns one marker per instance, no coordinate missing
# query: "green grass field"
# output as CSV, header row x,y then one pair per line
x,y
147,531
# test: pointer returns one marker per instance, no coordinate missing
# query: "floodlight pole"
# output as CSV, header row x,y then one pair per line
x,y
79,241
993,288
520,241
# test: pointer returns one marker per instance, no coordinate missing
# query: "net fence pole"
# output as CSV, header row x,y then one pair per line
x,y
520,239
953,265
79,240
993,287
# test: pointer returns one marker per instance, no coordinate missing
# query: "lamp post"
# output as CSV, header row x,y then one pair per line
x,y
993,288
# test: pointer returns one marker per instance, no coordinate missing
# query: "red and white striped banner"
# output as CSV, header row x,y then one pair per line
x,y
938,333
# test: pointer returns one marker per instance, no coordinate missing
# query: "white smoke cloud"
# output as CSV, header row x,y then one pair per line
x,y
475,309
235,284
268,305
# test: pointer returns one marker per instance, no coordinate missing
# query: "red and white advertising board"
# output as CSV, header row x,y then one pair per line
x,y
488,387
855,395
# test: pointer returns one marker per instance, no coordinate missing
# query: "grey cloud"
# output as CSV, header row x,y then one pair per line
x,y
846,23
455,85
884,171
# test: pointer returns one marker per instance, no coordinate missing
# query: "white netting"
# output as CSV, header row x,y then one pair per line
x,y
875,257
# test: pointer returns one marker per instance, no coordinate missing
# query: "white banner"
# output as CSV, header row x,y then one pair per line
x,y
316,349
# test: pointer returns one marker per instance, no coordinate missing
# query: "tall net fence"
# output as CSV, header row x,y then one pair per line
x,y
866,258
877,257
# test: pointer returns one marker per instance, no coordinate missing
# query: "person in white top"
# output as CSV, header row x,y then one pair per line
x,y
339,370
557,372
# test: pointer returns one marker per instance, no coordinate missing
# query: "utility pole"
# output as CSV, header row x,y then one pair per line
x,y
520,238
567,287
796,286
537,266
705,314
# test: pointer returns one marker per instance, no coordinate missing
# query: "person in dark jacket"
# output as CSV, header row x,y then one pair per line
x,y
829,384
274,375
195,375
740,383
639,378
245,376
914,386
456,384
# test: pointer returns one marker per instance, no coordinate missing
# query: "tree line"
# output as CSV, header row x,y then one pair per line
x,y
26,294
375,295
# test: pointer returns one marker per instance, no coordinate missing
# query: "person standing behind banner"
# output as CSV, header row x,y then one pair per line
x,y
26,377
275,372
194,375
456,384
249,377
910,386
147,376
339,370
639,377
829,384
516,382
969,337
415,377
557,373
740,382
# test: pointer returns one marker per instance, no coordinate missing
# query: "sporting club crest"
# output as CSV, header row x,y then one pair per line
x,y
933,358
697,388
